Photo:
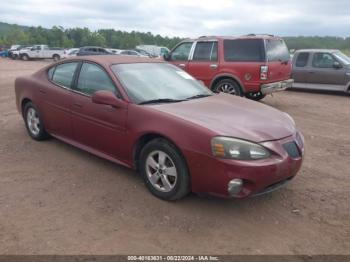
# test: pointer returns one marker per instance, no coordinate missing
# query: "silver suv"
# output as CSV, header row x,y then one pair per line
x,y
321,69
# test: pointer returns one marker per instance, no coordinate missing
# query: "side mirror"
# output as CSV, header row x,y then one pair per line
x,y
104,97
337,65
166,56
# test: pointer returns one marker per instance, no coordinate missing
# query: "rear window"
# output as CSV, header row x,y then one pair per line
x,y
302,60
276,50
245,50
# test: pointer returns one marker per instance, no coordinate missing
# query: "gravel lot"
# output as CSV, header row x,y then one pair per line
x,y
56,199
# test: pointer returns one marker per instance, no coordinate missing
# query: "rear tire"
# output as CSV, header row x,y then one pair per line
x,y
56,58
34,123
256,96
228,86
164,170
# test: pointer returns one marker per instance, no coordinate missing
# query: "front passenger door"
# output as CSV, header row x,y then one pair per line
x,y
323,71
100,127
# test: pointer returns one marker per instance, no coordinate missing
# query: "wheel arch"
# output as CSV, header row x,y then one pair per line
x,y
146,138
23,103
220,77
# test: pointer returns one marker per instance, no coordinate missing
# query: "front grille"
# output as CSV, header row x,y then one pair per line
x,y
292,149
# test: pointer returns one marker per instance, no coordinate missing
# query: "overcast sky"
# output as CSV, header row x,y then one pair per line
x,y
187,18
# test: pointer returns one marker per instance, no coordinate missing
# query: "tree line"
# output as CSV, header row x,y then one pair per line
x,y
75,37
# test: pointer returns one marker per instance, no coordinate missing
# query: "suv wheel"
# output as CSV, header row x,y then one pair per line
x,y
34,122
164,170
228,86
255,96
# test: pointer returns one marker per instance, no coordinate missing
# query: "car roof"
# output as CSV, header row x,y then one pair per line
x,y
92,47
316,50
108,60
249,36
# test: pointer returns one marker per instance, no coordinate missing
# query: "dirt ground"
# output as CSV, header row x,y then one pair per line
x,y
56,199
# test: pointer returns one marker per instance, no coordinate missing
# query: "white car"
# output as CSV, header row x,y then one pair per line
x,y
42,52
72,52
131,53
114,51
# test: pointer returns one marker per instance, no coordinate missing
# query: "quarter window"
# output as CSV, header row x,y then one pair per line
x,y
302,60
206,51
244,50
93,78
63,74
323,60
181,52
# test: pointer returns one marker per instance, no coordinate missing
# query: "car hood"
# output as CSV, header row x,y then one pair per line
x,y
233,116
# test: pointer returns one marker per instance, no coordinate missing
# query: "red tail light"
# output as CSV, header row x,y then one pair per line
x,y
264,70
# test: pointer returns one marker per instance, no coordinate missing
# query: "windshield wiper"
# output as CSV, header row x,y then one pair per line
x,y
161,100
198,96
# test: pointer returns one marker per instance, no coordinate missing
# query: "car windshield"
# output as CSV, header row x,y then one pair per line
x,y
342,57
145,82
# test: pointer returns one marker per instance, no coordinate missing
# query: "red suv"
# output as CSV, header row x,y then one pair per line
x,y
251,65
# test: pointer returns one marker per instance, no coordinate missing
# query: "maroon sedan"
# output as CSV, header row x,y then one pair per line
x,y
154,117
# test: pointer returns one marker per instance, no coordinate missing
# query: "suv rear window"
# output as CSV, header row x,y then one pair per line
x,y
276,50
244,50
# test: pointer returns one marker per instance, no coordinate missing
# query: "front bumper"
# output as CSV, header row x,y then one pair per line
x,y
276,86
212,175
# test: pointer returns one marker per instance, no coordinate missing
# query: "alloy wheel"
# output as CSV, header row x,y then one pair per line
x,y
33,121
227,88
161,171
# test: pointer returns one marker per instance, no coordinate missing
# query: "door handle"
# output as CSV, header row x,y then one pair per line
x,y
78,105
42,91
181,65
213,66
311,72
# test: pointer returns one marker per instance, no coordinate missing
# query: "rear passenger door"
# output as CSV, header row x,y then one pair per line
x,y
180,55
100,127
301,68
56,99
203,64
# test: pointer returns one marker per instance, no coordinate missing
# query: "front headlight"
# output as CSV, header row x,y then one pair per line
x,y
226,147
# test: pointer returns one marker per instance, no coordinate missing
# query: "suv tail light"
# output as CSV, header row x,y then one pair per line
x,y
264,69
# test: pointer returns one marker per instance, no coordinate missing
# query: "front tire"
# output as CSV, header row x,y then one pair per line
x,y
56,58
25,57
228,86
164,170
33,122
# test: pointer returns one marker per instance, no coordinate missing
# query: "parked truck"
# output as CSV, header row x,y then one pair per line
x,y
42,52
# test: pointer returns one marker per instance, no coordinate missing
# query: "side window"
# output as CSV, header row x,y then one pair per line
x,y
244,50
323,60
205,51
63,74
302,60
93,78
181,52
50,72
